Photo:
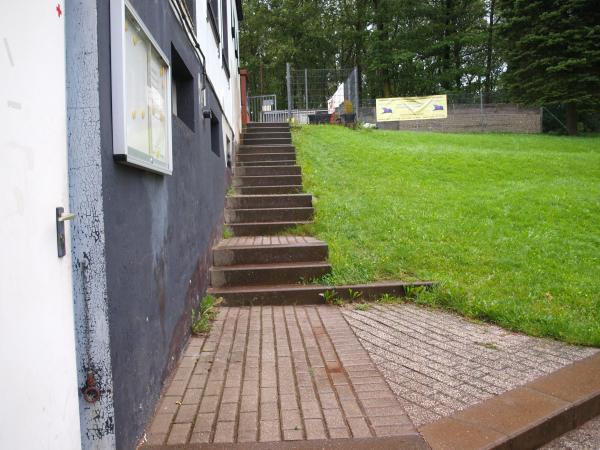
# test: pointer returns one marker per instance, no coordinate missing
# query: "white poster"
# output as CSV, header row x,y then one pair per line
x,y
157,95
136,73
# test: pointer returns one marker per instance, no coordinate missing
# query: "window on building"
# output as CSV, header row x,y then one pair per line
x,y
215,135
234,34
213,17
225,36
182,90
228,153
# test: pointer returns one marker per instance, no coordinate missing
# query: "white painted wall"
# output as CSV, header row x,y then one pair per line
x,y
227,89
38,393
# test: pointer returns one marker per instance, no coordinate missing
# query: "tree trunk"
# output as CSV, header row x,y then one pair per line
x,y
571,119
488,59
446,49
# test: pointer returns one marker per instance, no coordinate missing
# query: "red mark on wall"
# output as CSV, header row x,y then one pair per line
x,y
58,10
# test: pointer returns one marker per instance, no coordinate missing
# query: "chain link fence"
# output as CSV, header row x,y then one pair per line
x,y
333,96
313,96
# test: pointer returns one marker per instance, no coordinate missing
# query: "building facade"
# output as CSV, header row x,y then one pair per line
x,y
125,113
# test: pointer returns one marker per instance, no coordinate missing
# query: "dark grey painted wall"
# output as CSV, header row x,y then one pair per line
x,y
159,230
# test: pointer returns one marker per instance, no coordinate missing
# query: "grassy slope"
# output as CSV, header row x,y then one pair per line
x,y
508,224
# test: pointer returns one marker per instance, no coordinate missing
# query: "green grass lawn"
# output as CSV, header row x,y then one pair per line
x,y
509,225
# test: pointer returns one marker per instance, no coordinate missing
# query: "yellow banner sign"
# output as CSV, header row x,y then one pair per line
x,y
411,108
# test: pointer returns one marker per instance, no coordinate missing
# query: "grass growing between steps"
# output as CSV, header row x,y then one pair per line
x,y
509,225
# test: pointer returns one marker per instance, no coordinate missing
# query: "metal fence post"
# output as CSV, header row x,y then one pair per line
x,y
306,88
482,118
288,75
357,99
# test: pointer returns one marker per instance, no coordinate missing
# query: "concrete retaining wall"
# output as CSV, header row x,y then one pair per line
x,y
470,118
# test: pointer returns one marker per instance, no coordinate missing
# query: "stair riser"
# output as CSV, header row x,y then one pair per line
x,y
267,125
266,135
260,157
252,277
266,141
266,229
269,255
268,190
268,215
264,171
266,163
262,149
252,131
275,180
269,201
305,295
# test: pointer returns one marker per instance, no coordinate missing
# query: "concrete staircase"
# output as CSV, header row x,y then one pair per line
x,y
260,264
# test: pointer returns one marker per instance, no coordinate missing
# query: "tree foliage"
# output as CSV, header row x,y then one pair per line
x,y
401,47
554,53
545,52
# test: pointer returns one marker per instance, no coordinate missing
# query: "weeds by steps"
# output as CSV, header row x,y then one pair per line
x,y
203,317
227,233
331,297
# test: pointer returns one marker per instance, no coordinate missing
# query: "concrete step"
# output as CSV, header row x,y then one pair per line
x,y
266,141
252,149
269,201
257,274
267,124
262,134
233,216
290,162
269,180
268,250
266,130
257,157
269,190
290,294
267,170
262,228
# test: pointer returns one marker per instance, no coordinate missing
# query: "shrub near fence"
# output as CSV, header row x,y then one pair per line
x,y
465,118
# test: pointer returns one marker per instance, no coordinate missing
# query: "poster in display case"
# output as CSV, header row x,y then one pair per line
x,y
141,93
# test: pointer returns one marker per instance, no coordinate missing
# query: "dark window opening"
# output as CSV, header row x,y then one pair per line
x,y
225,56
234,34
213,17
215,136
228,153
182,90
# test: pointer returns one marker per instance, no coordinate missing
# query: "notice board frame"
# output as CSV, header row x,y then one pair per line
x,y
121,151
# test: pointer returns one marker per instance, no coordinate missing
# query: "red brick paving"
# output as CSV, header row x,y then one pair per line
x,y
275,373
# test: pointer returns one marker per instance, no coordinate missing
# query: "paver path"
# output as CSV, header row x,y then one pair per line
x,y
438,363
277,373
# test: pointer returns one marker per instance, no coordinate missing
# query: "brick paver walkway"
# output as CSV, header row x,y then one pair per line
x,y
438,363
277,373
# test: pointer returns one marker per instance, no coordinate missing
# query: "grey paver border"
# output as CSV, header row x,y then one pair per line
x,y
526,417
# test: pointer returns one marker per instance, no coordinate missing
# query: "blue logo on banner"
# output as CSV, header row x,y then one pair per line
x,y
438,108
387,110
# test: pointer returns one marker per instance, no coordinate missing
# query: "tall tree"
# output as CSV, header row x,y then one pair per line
x,y
401,47
553,54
